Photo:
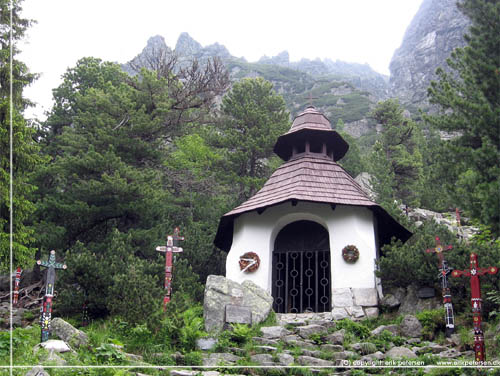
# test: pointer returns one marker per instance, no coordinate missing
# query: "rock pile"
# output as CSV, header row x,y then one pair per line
x,y
310,340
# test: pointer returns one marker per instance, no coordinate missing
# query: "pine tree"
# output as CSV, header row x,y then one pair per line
x,y
468,100
255,117
396,160
24,148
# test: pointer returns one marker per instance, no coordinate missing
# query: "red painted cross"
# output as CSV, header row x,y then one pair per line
x,y
169,249
474,272
439,250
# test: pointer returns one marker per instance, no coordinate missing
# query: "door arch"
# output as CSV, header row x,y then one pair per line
x,y
301,276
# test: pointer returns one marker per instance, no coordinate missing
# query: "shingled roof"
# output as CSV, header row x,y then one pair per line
x,y
311,177
313,126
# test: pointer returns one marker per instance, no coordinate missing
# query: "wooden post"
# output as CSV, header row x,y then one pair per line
x,y
169,249
444,270
474,272
17,281
46,308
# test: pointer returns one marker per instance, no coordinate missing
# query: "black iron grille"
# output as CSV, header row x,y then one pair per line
x,y
301,281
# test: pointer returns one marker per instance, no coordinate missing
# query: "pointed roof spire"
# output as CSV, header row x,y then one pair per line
x,y
311,125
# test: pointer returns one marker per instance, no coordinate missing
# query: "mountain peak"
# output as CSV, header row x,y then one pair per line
x,y
187,46
283,58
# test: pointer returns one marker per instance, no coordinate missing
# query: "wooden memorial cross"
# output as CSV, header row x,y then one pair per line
x,y
17,281
439,250
474,272
171,247
46,308
445,290
449,318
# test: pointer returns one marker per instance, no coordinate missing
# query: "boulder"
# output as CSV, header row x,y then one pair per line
x,y
371,312
218,358
310,361
285,359
220,292
206,343
54,359
451,353
336,338
410,327
298,343
389,301
17,315
356,312
391,328
37,371
68,333
309,330
262,359
331,348
55,345
270,332
265,341
364,348
399,353
339,313
324,323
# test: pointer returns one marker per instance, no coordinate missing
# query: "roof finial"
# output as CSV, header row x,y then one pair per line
x,y
311,100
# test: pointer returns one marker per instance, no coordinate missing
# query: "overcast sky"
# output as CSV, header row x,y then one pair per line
x,y
362,31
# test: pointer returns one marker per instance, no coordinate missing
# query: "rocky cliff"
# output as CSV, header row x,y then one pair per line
x,y
437,29
342,90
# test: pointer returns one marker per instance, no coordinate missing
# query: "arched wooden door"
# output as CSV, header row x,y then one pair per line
x,y
301,269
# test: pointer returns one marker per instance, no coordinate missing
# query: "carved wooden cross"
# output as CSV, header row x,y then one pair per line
x,y
439,250
17,281
46,308
171,247
474,272
445,290
449,318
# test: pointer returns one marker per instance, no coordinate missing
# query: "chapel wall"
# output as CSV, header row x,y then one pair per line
x,y
353,285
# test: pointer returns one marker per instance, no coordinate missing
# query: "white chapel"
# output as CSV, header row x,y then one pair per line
x,y
311,235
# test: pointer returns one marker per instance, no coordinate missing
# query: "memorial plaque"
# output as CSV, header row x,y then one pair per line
x,y
426,292
238,314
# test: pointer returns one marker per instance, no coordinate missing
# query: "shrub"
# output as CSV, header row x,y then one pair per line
x,y
357,329
193,358
108,354
432,321
241,333
404,264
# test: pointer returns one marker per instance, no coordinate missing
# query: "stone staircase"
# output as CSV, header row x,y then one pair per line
x,y
312,340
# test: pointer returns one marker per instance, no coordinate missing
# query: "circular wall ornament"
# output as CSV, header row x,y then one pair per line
x,y
249,262
350,253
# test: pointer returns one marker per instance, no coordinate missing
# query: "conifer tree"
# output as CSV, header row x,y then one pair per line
x,y
25,156
396,161
468,100
255,117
